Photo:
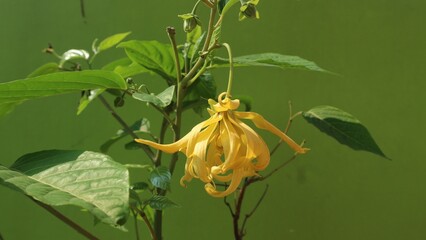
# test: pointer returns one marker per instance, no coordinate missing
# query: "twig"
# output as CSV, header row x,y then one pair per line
x,y
256,179
287,128
126,127
253,210
66,220
148,224
135,218
229,206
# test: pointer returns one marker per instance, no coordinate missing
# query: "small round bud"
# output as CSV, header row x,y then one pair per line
x,y
190,22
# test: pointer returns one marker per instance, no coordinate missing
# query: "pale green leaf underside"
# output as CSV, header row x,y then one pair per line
x,y
269,60
86,179
343,127
15,92
162,99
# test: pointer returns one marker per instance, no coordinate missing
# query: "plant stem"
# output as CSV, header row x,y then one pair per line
x,y
126,127
253,210
231,69
66,220
206,46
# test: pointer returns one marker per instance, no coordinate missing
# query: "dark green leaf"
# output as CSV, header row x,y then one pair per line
x,y
14,92
199,92
132,145
343,127
86,179
160,177
161,202
45,69
161,100
154,56
73,54
227,6
111,41
139,186
140,126
246,100
269,60
221,4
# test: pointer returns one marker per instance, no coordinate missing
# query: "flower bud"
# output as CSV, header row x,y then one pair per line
x,y
190,22
248,10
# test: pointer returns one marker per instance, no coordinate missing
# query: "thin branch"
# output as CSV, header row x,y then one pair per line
x,y
238,205
135,218
66,220
256,179
202,58
253,210
171,32
148,224
229,206
126,127
287,128
163,129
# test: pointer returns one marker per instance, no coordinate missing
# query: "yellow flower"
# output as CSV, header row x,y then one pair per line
x,y
223,148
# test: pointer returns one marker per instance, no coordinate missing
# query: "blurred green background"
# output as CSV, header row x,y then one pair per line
x,y
379,48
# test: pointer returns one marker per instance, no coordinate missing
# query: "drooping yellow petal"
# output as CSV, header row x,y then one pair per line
x,y
261,123
183,142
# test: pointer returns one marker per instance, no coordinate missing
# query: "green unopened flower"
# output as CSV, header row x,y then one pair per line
x,y
248,10
190,21
223,148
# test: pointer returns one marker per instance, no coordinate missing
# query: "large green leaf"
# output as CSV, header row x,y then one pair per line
x,y
155,56
14,92
343,127
86,179
269,60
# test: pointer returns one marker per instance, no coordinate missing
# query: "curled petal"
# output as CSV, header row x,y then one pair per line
x,y
237,176
261,123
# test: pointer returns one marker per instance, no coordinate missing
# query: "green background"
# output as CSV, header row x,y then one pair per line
x,y
378,47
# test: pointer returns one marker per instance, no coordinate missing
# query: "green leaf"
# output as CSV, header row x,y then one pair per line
x,y
73,54
111,41
126,68
343,127
246,100
221,4
160,177
154,56
14,92
199,92
47,68
86,179
141,126
161,202
139,186
227,6
269,60
161,100
87,98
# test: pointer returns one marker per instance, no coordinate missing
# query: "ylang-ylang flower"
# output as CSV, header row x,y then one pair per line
x,y
223,148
